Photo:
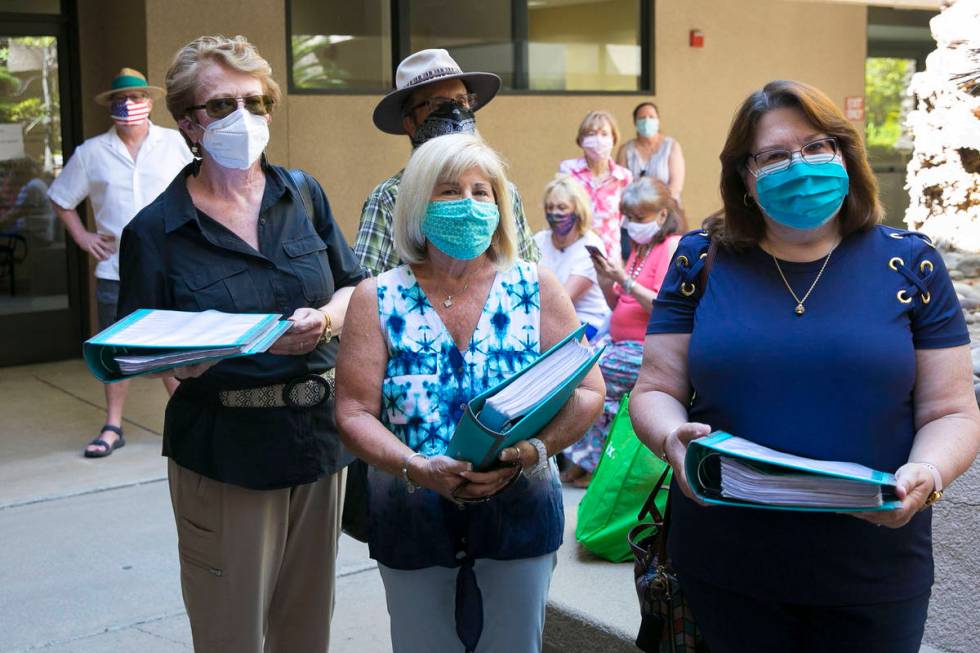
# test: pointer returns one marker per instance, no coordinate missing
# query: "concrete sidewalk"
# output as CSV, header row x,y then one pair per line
x,y
89,556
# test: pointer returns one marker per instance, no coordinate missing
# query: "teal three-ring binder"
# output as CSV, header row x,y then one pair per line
x,y
474,441
781,475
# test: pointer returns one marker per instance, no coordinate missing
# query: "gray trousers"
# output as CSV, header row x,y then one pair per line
x,y
421,605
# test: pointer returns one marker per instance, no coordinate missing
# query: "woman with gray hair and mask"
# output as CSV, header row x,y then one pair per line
x,y
466,557
254,455
653,221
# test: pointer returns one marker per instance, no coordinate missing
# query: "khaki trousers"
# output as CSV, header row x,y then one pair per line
x,y
257,566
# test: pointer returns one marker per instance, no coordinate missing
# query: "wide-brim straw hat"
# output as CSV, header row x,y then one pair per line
x,y
423,68
129,79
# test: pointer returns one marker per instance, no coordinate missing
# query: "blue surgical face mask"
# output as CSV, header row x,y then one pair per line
x,y
804,195
462,228
647,127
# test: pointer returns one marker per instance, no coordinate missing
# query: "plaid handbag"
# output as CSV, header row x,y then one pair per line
x,y
667,624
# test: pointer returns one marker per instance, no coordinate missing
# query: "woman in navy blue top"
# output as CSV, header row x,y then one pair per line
x,y
818,332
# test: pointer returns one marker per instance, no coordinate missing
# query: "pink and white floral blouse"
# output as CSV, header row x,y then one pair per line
x,y
605,194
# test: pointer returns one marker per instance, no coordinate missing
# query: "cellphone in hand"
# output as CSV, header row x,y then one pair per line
x,y
595,251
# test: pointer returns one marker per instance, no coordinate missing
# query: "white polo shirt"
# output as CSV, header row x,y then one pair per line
x,y
102,170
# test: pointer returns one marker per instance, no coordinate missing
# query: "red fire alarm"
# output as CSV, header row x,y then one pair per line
x,y
697,38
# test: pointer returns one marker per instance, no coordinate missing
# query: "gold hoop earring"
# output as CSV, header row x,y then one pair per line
x,y
745,199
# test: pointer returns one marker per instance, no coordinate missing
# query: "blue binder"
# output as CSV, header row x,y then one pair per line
x,y
476,442
100,350
702,461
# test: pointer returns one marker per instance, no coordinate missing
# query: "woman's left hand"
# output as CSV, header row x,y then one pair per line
x,y
522,453
611,269
303,336
913,486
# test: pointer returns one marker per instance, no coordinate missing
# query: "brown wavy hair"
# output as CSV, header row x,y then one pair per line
x,y
740,223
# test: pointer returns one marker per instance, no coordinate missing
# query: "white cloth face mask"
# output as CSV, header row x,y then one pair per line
x,y
237,140
642,233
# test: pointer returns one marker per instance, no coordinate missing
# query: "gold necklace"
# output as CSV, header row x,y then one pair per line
x,y
799,310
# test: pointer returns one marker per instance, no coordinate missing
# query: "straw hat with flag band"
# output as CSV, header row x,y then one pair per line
x,y
423,68
128,80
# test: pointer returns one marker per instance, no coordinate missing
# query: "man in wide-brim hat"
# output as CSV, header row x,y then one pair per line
x,y
432,97
119,172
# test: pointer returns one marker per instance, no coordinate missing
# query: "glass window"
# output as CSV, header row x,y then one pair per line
x,y
30,6
536,45
340,45
32,241
477,33
584,46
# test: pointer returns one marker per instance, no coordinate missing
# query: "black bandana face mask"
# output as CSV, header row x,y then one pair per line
x,y
450,118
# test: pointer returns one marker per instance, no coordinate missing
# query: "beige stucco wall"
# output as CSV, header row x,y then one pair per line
x,y
747,43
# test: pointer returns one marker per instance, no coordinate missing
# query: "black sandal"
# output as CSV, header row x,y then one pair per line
x,y
107,448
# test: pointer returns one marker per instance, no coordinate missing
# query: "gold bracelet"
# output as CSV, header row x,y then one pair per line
x,y
327,334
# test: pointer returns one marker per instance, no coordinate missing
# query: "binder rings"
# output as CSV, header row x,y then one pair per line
x,y
724,469
480,444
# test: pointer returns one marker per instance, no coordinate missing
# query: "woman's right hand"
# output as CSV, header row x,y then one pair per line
x,y
441,474
675,447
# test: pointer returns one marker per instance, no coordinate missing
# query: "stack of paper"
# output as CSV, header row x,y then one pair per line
x,y
752,482
535,386
728,470
156,340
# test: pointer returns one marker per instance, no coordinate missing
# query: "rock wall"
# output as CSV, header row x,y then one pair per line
x,y
954,612
944,173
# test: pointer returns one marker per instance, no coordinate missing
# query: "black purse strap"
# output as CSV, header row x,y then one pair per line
x,y
299,180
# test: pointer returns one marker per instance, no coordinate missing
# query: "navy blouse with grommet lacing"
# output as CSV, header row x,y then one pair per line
x,y
835,383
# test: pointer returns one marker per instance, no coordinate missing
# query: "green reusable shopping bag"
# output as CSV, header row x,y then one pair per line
x,y
621,483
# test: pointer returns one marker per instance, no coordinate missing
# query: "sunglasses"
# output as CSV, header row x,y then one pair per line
x,y
220,107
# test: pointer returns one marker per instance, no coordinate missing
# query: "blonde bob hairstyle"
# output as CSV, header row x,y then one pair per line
x,y
568,188
446,159
234,53
594,120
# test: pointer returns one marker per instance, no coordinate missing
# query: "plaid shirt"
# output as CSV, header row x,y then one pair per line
x,y
375,246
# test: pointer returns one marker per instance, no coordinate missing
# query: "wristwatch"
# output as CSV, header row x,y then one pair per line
x,y
542,462
327,334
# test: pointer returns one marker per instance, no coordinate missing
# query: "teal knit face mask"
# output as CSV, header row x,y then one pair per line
x,y
462,228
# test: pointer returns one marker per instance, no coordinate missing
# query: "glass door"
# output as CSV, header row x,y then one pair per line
x,y
40,290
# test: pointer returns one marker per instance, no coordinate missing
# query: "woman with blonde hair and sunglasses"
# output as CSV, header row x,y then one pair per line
x,y
466,557
254,457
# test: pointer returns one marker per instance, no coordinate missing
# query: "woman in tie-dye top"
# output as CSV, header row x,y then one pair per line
x,y
456,548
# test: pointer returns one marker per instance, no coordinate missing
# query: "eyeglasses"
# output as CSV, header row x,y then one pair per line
x,y
465,100
220,107
822,150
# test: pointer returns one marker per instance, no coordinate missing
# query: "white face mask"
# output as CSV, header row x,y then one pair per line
x,y
237,140
642,233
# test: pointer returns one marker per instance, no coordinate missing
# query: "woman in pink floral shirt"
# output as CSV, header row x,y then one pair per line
x,y
602,178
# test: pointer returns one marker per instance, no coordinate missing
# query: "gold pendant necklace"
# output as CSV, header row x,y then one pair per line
x,y
800,309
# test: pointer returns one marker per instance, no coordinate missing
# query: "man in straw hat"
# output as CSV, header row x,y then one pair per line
x,y
432,97
120,172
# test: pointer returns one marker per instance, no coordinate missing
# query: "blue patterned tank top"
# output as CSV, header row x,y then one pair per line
x,y
427,382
